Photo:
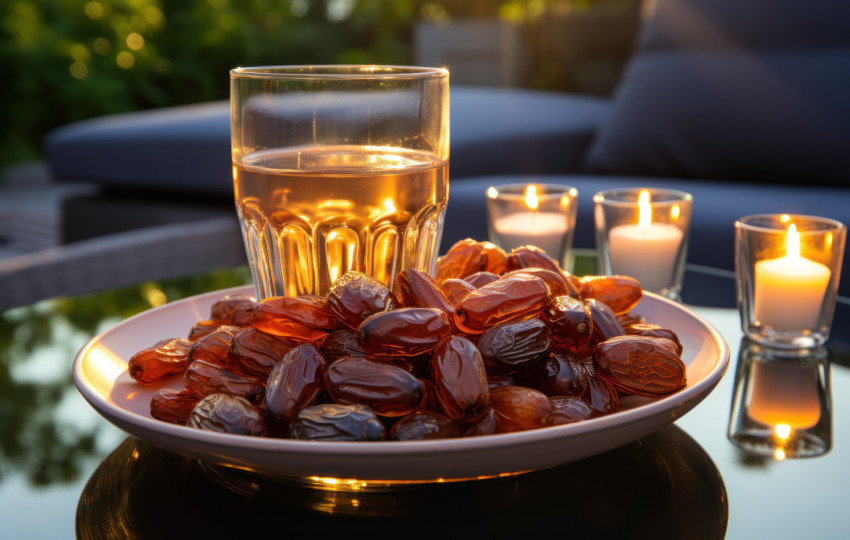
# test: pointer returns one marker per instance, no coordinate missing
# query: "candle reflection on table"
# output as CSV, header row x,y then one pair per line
x,y
781,405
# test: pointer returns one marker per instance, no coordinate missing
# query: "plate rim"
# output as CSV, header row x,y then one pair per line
x,y
685,399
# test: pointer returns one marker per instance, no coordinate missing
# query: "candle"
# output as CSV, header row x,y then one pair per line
x,y
789,290
646,251
546,230
784,395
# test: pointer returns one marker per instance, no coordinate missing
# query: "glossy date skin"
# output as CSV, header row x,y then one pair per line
x,y
294,383
234,306
167,357
403,332
336,422
387,389
467,257
215,346
508,299
568,410
620,293
641,365
413,288
508,348
530,257
203,378
256,353
173,406
425,424
518,408
355,297
227,414
561,374
460,380
570,321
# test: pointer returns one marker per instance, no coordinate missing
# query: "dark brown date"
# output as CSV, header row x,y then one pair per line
x,y
486,425
335,422
386,389
294,383
456,290
468,256
517,408
641,365
530,257
214,347
568,410
173,406
460,380
224,309
227,414
403,332
425,424
355,296
311,311
601,395
570,321
654,330
203,328
508,299
165,358
479,279
605,323
557,282
342,342
413,288
507,348
500,380
560,374
620,293
256,353
203,378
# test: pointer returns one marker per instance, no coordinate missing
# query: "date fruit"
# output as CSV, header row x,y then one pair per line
x,y
335,422
165,358
386,389
295,383
403,332
517,408
620,293
203,378
227,414
570,321
425,424
508,299
467,257
568,409
355,297
510,347
460,380
641,365
256,353
173,406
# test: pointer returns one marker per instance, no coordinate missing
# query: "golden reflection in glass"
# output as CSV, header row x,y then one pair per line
x,y
782,404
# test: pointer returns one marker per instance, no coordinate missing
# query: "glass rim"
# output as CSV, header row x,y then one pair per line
x,y
674,196
496,193
338,71
831,225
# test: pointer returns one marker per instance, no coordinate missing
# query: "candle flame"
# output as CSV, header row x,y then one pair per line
x,y
782,431
492,193
779,454
675,211
792,242
644,210
531,197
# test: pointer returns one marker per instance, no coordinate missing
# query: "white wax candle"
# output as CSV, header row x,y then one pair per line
x,y
545,230
783,393
789,293
646,253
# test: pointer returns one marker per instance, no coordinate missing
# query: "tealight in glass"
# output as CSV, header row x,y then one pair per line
x,y
787,269
643,233
542,215
782,403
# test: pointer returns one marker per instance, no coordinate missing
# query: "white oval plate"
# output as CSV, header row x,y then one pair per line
x,y
100,373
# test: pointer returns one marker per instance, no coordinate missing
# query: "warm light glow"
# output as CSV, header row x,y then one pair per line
x,y
492,193
389,206
531,197
782,431
674,212
792,243
135,41
784,218
779,454
644,210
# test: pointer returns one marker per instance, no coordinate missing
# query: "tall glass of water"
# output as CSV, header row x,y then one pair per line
x,y
338,168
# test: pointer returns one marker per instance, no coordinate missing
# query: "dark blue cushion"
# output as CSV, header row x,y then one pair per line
x,y
717,205
751,91
188,148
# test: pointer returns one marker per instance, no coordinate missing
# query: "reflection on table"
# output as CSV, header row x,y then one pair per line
x,y
665,484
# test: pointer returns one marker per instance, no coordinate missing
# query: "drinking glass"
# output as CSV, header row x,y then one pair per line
x,y
338,168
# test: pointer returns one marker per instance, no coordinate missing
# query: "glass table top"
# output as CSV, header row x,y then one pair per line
x,y
687,480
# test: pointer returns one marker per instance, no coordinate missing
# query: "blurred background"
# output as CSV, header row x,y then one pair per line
x,y
68,60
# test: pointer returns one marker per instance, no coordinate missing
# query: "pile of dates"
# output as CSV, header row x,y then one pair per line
x,y
494,343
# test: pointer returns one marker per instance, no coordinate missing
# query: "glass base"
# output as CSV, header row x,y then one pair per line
x,y
766,442
786,340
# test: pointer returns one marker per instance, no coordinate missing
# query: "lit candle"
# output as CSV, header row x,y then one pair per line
x,y
545,230
789,290
784,395
646,251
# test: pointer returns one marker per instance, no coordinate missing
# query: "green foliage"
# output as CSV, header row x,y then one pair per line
x,y
67,60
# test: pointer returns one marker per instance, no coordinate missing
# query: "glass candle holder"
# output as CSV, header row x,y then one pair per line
x,y
643,233
542,215
782,404
787,269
